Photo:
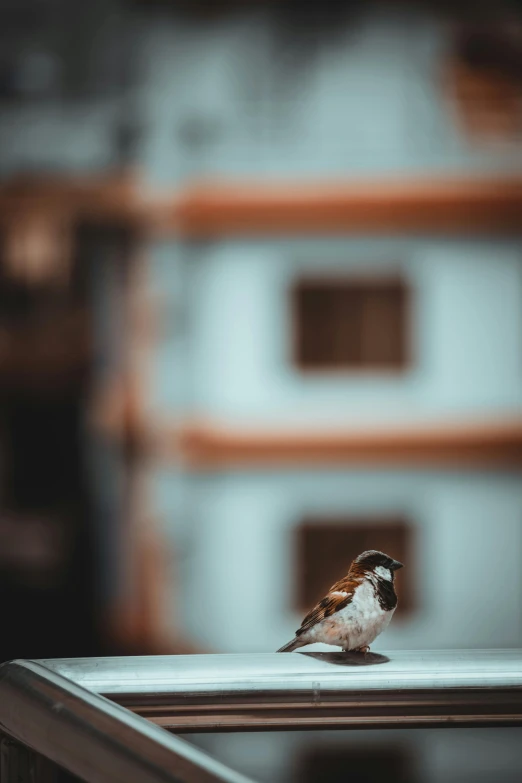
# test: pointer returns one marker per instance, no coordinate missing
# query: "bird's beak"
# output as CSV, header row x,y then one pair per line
x,y
396,565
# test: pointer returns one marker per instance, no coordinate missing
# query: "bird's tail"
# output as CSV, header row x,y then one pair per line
x,y
291,646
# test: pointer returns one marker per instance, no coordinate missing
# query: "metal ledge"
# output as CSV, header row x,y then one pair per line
x,y
89,736
309,690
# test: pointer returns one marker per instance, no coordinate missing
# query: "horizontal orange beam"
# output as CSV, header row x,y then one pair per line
x,y
425,205
438,205
448,445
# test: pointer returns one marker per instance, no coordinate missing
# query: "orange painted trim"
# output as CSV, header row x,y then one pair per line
x,y
447,445
427,204
422,205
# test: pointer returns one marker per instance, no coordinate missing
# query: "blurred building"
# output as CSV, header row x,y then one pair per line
x,y
290,245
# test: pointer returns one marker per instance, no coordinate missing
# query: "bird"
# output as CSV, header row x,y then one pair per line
x,y
356,609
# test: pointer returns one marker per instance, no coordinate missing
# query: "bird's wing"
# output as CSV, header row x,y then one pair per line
x,y
340,595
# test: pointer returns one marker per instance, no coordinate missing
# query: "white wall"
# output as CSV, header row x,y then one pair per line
x,y
371,102
235,333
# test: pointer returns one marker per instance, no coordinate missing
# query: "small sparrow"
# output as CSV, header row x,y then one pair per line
x,y
357,608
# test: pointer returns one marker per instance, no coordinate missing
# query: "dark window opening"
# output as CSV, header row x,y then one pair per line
x,y
351,324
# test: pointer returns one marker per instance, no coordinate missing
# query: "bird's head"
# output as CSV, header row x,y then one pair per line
x,y
377,563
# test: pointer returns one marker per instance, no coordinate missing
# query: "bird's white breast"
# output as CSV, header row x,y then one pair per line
x,y
357,625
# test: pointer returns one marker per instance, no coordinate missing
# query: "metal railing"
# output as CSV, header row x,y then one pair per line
x,y
96,717
50,722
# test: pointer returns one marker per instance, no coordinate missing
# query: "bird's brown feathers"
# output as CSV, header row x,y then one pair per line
x,y
339,596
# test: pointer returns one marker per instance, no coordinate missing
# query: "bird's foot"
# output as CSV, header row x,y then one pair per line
x,y
364,649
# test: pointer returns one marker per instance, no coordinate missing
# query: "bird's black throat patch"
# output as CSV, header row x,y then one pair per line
x,y
386,595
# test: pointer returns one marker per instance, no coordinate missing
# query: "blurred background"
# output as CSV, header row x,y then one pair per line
x,y
260,310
